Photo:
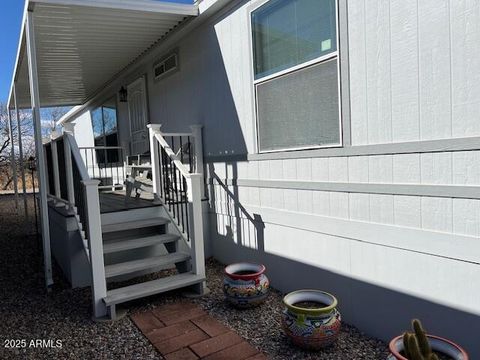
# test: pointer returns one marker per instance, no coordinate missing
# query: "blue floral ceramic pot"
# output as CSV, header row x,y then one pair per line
x,y
310,318
245,284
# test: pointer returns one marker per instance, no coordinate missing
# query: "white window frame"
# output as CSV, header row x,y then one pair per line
x,y
321,59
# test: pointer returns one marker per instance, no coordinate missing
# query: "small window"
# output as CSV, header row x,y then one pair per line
x,y
166,66
295,66
104,124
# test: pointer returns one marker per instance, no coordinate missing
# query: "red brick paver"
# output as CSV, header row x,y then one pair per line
x,y
179,342
146,322
211,326
212,345
178,316
183,331
237,352
171,331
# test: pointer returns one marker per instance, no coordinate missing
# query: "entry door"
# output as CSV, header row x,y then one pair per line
x,y
137,113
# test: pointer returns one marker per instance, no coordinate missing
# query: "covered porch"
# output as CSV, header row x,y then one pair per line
x,y
59,63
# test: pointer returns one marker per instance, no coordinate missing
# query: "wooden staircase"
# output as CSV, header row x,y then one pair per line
x,y
143,246
130,244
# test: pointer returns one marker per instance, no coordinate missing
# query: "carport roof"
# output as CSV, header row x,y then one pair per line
x,y
82,44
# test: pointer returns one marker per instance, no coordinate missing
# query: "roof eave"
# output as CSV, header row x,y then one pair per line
x,y
133,5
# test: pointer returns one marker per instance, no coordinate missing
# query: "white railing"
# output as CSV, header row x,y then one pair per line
x,y
179,185
79,193
105,163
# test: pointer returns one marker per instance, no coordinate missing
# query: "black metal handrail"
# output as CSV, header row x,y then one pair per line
x,y
50,173
184,149
62,169
105,163
174,191
79,195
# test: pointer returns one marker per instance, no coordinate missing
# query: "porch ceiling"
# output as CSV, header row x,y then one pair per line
x,y
82,44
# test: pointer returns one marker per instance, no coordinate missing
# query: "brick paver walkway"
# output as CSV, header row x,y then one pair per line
x,y
183,331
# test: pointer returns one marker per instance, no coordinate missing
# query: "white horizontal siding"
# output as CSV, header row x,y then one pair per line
x,y
414,70
438,214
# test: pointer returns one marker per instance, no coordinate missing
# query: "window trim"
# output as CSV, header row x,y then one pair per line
x,y
321,59
104,135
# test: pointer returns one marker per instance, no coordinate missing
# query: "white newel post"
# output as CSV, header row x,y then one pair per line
x,y
95,244
154,129
195,197
69,129
197,135
56,172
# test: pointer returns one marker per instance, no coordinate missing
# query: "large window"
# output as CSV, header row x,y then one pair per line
x,y
104,123
296,74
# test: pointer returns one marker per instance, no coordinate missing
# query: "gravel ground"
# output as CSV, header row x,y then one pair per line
x,y
28,313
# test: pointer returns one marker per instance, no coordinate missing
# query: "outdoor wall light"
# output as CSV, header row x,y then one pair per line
x,y
32,163
123,94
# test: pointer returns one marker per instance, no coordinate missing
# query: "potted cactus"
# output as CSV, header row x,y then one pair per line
x,y
421,346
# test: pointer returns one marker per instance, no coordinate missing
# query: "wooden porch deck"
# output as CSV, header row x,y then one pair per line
x,y
113,201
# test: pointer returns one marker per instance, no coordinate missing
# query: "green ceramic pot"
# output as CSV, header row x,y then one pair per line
x,y
311,327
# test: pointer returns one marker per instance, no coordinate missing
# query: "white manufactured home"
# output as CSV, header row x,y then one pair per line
x,y
335,141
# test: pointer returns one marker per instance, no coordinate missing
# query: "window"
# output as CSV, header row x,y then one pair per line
x,y
295,65
104,124
166,66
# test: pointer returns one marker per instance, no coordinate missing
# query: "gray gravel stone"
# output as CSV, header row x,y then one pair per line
x,y
28,312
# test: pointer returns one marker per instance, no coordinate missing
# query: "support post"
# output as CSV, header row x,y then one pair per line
x,y
56,173
95,244
12,160
154,129
197,135
195,197
42,176
20,151
68,129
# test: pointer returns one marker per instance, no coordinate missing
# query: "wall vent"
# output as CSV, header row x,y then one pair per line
x,y
167,66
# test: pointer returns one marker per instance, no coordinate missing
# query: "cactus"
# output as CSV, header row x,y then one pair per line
x,y
416,345
421,336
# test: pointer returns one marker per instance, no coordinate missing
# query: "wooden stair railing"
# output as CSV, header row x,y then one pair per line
x,y
79,194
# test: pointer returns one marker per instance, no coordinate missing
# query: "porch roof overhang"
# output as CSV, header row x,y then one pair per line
x,y
82,44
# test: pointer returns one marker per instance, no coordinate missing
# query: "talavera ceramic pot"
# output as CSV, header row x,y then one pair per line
x,y
245,284
310,318
438,344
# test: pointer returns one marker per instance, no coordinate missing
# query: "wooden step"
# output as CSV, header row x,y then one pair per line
x,y
136,243
137,224
144,264
153,287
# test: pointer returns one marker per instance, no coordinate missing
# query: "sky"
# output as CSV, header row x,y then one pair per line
x,y
11,12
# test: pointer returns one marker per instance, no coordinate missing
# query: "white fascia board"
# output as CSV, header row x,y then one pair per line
x,y
134,5
205,5
69,115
